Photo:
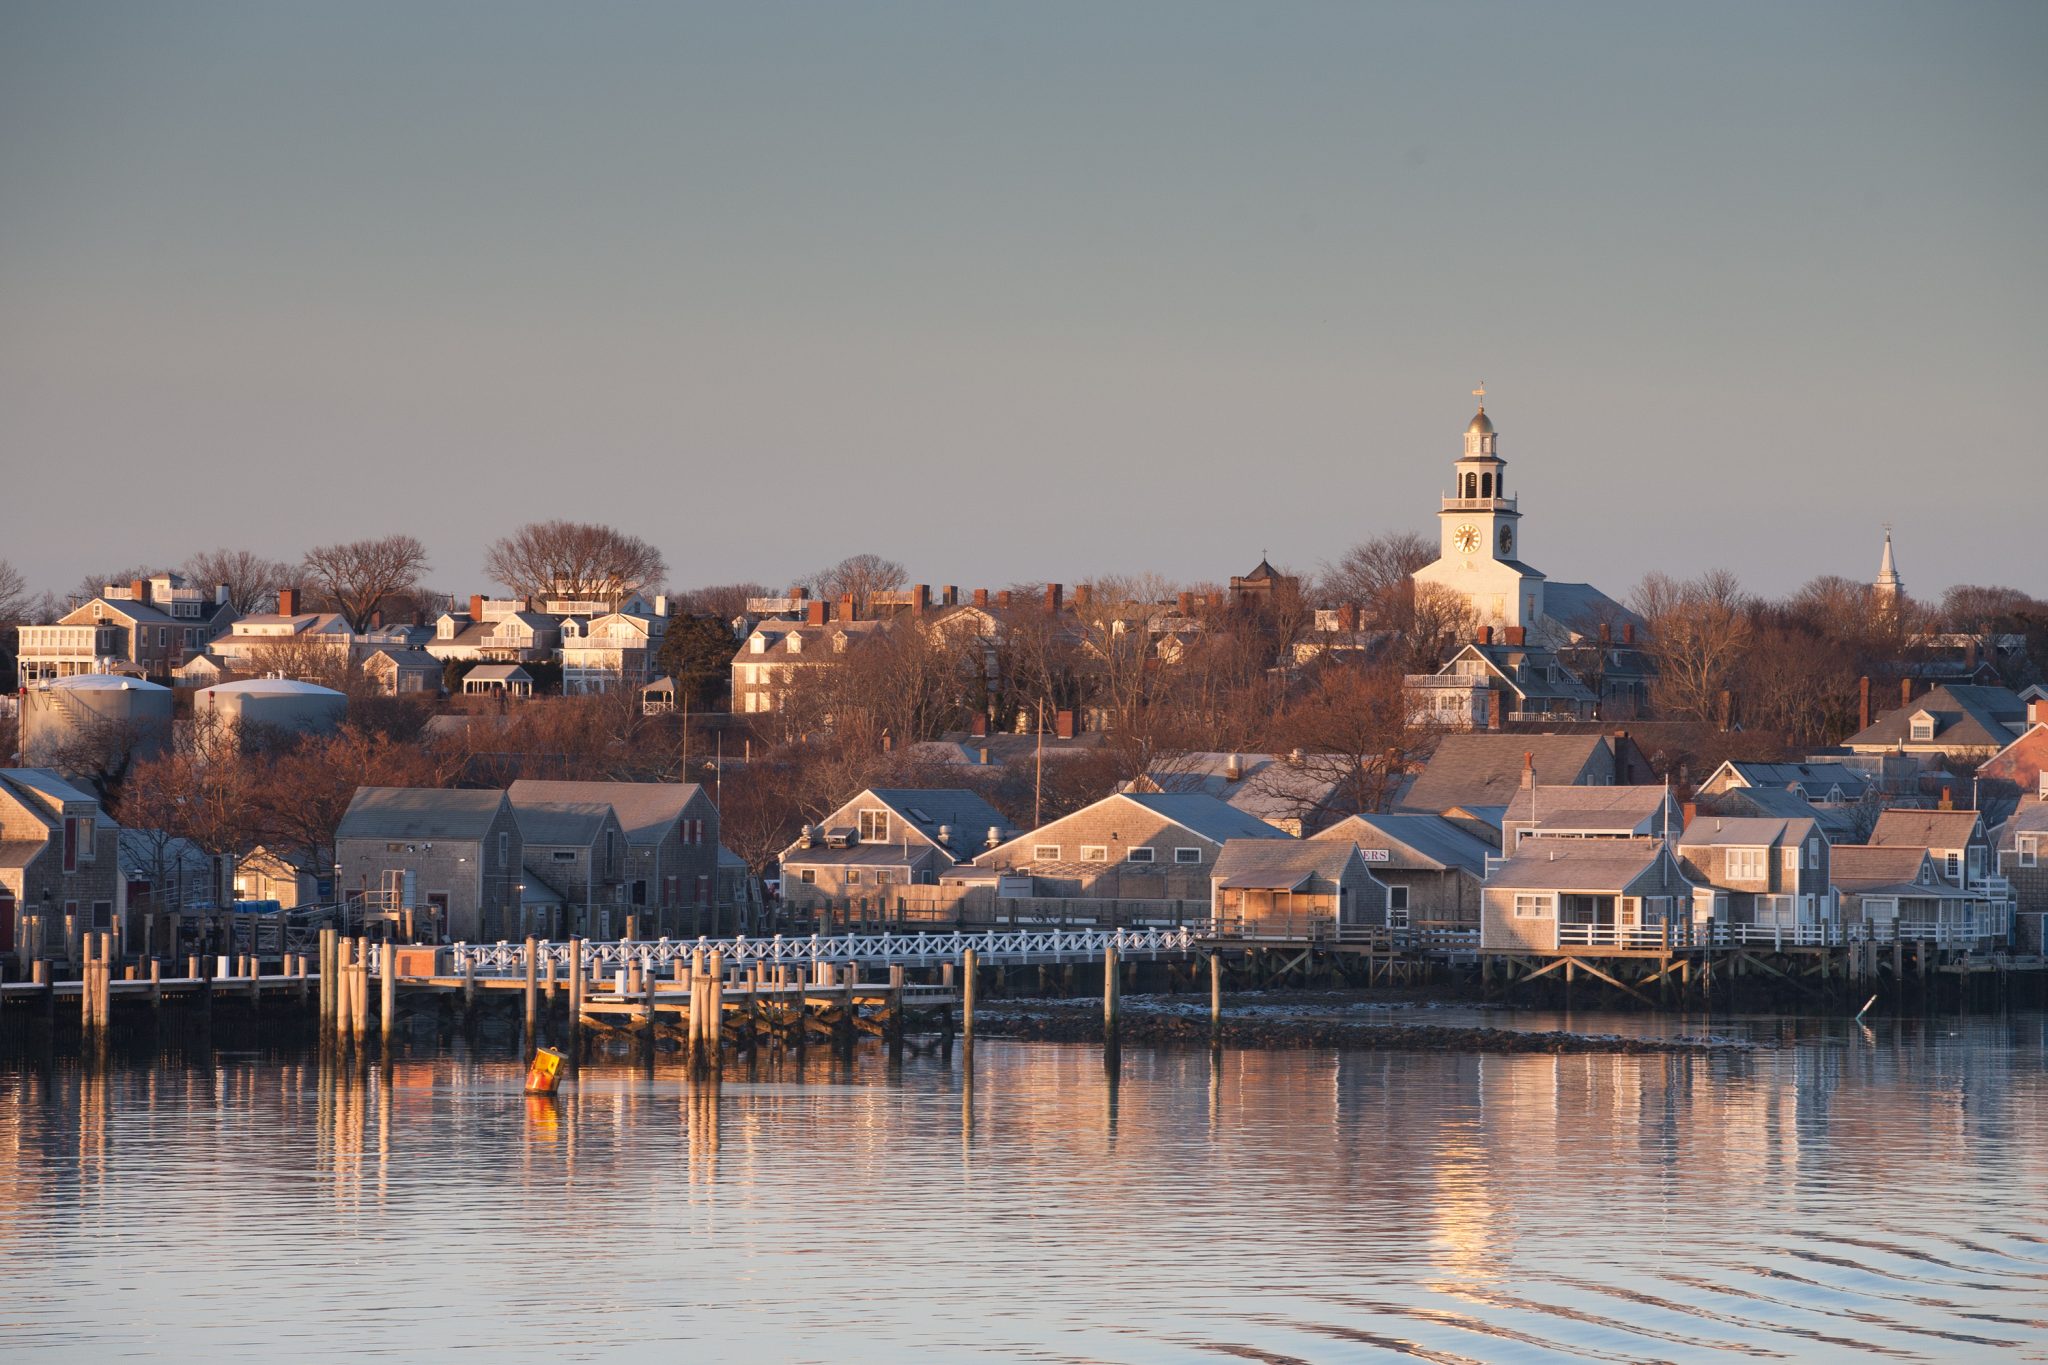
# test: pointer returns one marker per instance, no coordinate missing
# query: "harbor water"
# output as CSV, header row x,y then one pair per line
x,y
1834,1191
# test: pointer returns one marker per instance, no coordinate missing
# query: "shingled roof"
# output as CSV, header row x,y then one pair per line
x,y
1965,717
1486,769
646,810
419,813
1280,864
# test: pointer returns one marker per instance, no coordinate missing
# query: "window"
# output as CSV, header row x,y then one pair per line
x,y
1045,853
71,843
1187,855
853,877
809,876
1812,857
564,855
1923,729
88,839
1792,859
874,826
884,876
1954,863
1397,898
504,848
2028,846
1140,854
1746,865
1531,906
1094,853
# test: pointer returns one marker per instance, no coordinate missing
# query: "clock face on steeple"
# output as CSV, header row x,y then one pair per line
x,y
1466,538
1507,542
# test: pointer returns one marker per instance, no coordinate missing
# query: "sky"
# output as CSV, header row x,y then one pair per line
x,y
1025,292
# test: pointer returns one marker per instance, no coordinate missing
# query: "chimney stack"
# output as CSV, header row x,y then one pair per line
x,y
1517,635
1055,595
1185,604
220,595
1003,600
138,589
476,608
1486,635
1528,770
1628,632
1233,768
1215,601
1606,633
1493,708
1063,724
983,753
978,727
2037,711
814,612
1621,758
287,601
1863,703
1347,618
1083,594
846,606
921,600
981,598
949,596
1905,691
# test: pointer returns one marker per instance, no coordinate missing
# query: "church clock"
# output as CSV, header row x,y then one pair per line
x,y
1507,542
1466,538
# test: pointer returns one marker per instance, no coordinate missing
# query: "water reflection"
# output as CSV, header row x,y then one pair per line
x,y
1838,1193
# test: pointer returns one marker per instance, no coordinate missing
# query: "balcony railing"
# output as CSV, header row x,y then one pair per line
x,y
1479,504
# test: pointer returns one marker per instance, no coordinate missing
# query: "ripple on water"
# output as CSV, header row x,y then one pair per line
x,y
1825,1195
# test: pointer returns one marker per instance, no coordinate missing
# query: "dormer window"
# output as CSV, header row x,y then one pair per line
x,y
758,644
796,644
839,643
1922,728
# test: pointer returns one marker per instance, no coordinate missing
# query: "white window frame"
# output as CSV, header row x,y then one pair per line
x,y
1952,864
1791,859
1095,853
1045,853
853,876
868,817
1183,856
1141,853
1397,898
1923,729
1748,864
1535,905
1813,857
2028,849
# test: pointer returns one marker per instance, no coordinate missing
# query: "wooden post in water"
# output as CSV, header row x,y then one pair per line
x,y
969,961
1112,992
360,1006
894,1031
387,997
85,1019
714,1020
575,992
532,987
1215,999
156,983
328,956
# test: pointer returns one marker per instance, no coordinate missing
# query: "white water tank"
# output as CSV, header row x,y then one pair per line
x,y
60,714
279,705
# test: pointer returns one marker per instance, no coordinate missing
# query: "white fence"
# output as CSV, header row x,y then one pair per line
x,y
1943,935
910,950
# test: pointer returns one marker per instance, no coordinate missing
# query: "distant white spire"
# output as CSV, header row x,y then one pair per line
x,y
1887,585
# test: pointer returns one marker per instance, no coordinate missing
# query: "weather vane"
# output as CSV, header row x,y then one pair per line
x,y
1480,394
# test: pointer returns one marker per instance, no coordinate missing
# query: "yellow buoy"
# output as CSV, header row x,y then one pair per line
x,y
545,1073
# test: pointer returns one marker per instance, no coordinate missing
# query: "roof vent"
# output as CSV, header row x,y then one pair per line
x,y
995,836
945,836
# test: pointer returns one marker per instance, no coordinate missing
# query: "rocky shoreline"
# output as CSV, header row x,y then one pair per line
x,y
1061,1023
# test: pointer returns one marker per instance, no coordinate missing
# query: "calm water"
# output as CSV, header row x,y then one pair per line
x,y
1836,1193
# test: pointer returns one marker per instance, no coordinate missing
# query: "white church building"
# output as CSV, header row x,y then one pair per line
x,y
1479,555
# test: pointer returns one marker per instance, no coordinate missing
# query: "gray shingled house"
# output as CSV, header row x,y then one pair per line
x,y
1294,889
459,852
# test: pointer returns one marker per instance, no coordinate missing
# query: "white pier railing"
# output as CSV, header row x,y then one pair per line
x,y
910,950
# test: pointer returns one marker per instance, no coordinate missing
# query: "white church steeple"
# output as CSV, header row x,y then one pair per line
x,y
1887,588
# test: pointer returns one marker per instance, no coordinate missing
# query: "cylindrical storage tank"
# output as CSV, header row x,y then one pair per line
x,y
244,710
64,718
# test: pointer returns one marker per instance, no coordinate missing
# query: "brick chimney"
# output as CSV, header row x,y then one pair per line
x,y
1083,594
921,599
1528,770
1628,632
1347,618
1517,635
846,607
1905,691
1063,724
981,597
814,612
1055,596
1215,601
1621,758
1486,635
138,589
287,601
476,607
978,727
1863,703
949,596
377,619
1688,811
2037,711
1606,633
1003,599
1185,604
1948,799
1493,708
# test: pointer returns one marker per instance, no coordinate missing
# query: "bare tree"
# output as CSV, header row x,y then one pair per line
x,y
1699,630
574,559
251,580
723,600
93,585
1356,734
358,576
15,598
1375,573
860,577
